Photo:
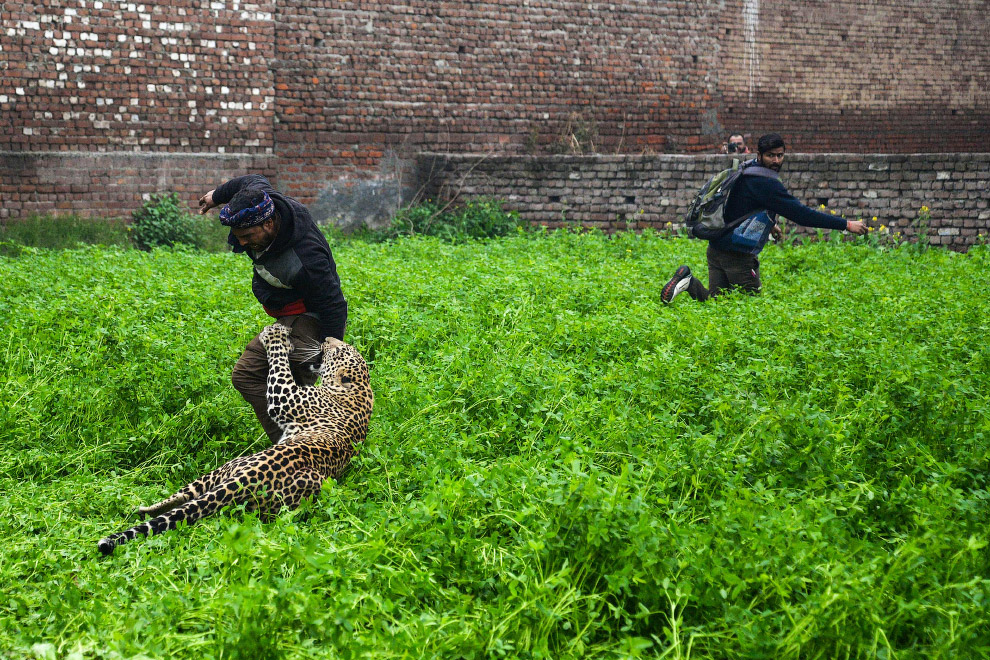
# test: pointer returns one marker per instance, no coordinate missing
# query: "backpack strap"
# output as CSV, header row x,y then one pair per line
x,y
752,169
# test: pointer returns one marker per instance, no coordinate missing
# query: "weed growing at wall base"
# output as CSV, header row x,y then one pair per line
x,y
558,466
163,221
64,231
482,218
156,224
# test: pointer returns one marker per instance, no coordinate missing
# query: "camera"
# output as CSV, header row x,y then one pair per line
x,y
731,147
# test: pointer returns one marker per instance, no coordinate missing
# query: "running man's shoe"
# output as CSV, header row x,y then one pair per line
x,y
679,282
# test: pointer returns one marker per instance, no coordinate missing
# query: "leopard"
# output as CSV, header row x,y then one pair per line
x,y
322,428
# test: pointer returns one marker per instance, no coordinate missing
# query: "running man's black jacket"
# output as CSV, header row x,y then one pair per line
x,y
758,193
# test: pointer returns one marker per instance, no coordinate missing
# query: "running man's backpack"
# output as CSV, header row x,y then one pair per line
x,y
705,217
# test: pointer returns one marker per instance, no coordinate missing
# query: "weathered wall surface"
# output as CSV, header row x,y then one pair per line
x,y
342,95
186,76
364,86
635,192
858,75
91,184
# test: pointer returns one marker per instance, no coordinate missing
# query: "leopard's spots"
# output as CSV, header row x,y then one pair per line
x,y
321,427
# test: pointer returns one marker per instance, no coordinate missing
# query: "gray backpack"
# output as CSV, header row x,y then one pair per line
x,y
705,217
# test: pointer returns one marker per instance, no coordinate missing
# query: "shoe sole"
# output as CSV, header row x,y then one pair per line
x,y
677,284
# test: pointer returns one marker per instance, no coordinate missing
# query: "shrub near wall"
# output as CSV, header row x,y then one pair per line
x,y
634,192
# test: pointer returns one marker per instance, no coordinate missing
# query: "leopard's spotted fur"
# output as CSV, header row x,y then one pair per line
x,y
321,426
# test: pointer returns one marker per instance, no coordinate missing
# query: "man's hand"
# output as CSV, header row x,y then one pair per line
x,y
856,226
777,233
206,202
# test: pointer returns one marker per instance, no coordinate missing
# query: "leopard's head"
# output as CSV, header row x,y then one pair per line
x,y
343,366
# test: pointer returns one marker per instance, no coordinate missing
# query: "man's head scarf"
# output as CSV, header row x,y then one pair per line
x,y
249,217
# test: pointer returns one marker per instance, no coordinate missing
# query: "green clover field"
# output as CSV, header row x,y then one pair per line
x,y
557,466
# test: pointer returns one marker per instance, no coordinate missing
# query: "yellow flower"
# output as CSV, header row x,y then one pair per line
x,y
821,206
869,229
883,227
874,218
924,209
832,212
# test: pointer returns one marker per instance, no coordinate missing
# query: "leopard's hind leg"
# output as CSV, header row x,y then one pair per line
x,y
188,492
291,488
194,489
303,482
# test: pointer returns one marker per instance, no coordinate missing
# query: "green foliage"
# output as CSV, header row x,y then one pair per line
x,y
63,231
881,237
483,218
164,221
558,466
921,226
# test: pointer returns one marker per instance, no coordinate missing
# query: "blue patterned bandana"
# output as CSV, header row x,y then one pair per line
x,y
249,217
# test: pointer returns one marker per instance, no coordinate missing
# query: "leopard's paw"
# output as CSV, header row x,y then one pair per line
x,y
275,334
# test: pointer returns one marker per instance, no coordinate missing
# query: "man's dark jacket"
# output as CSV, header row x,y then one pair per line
x,y
759,193
296,273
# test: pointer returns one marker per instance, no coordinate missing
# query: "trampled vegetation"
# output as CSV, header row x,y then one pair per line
x,y
557,465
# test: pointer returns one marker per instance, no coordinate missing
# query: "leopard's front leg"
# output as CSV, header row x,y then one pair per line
x,y
281,384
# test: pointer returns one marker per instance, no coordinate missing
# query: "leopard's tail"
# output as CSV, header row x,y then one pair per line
x,y
190,511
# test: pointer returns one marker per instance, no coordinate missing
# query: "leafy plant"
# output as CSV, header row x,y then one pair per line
x,y
162,221
921,225
478,219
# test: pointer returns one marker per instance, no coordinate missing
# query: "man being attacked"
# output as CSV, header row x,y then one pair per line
x,y
295,280
733,262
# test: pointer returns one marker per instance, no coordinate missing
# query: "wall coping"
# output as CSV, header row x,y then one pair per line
x,y
851,157
139,154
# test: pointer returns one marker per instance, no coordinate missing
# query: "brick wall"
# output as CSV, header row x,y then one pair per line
x,y
180,76
635,192
344,94
362,86
857,75
94,185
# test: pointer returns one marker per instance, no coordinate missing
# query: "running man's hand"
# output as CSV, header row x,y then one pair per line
x,y
856,226
206,202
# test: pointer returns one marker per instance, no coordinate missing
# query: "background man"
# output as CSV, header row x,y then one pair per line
x,y
295,280
731,266
736,144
